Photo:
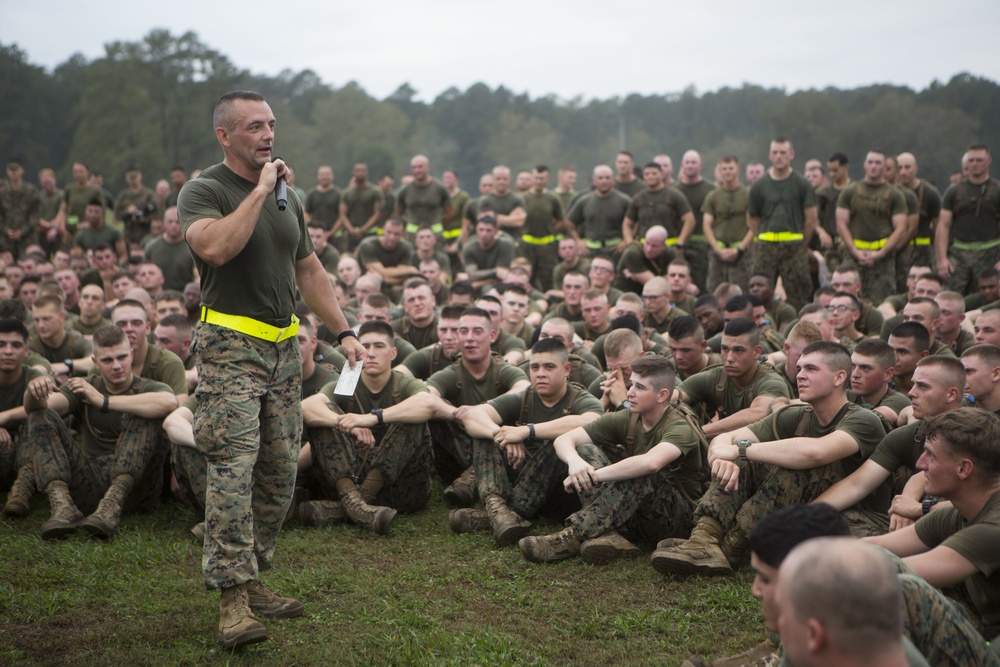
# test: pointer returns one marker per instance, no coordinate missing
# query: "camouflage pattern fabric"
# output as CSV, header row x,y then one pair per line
x,y
790,261
528,489
737,272
452,450
188,465
543,259
697,255
19,210
879,281
247,424
866,524
966,265
401,454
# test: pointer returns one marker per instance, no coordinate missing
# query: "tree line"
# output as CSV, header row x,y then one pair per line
x,y
149,102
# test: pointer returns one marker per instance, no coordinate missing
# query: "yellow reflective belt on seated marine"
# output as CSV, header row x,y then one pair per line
x,y
975,245
250,326
870,245
921,240
779,237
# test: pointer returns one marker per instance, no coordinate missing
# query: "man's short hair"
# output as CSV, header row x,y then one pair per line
x,y
462,288
630,297
378,327
743,326
377,300
970,432
620,340
804,332
131,303
782,530
627,321
551,346
490,298
990,354
947,369
592,293
415,282
834,355
706,300
839,158
13,309
487,218
12,325
737,304
920,300
222,116
452,311
48,300
181,323
990,272
812,308
658,370
686,326
916,331
515,289
478,312
395,222
168,295
877,349
109,336
933,277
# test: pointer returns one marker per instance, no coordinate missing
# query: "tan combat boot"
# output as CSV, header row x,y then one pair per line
x,y
266,602
700,554
468,520
64,513
462,491
237,624
508,526
735,545
607,548
19,498
104,520
322,513
374,518
551,548
765,654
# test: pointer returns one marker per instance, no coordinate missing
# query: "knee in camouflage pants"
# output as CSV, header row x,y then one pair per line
x,y
643,509
188,465
247,424
543,260
789,261
526,489
401,454
879,281
452,449
57,457
737,272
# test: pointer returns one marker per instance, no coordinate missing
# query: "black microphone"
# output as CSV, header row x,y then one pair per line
x,y
281,191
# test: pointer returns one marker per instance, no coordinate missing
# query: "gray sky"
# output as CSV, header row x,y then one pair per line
x,y
568,48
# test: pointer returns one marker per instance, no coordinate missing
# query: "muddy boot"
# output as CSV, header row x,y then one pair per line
x,y
104,520
19,498
371,517
765,654
468,520
65,515
701,554
508,526
237,624
267,603
300,496
551,548
322,513
735,546
199,532
462,491
607,548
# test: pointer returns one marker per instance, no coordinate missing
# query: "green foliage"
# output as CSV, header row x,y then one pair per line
x,y
150,102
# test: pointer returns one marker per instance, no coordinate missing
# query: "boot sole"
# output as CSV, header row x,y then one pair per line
x,y
677,564
278,611
95,530
254,636
383,523
16,509
58,532
602,554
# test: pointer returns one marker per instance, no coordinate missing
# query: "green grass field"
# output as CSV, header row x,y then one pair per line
x,y
419,596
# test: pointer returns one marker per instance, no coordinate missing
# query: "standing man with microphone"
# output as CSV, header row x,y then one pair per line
x,y
250,253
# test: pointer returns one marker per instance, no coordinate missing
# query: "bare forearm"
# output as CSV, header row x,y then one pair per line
x,y
151,405
553,429
738,420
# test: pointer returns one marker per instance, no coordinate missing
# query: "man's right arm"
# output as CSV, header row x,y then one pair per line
x,y
941,235
482,421
856,486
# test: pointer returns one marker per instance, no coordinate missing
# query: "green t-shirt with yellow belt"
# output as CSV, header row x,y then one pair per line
x,y
664,207
872,208
781,204
423,205
728,209
362,202
543,211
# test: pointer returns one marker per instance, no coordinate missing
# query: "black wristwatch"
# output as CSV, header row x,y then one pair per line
x,y
928,503
69,365
743,445
378,415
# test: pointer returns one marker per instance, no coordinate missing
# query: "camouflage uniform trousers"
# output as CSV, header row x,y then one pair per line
x,y
866,524
452,449
790,261
140,451
942,625
543,260
536,484
247,424
189,468
911,255
401,454
966,265
697,255
763,489
12,457
643,509
737,272
879,281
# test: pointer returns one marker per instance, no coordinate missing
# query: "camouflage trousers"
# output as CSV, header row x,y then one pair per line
x,y
866,524
966,265
789,261
402,455
537,484
945,629
913,255
12,457
763,489
247,424
543,260
697,254
879,281
141,452
737,272
189,468
452,449
643,509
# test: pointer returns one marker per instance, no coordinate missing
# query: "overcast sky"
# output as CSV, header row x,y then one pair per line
x,y
567,48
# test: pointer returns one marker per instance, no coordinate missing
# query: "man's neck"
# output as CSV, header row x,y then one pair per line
x,y
826,408
991,401
324,188
90,319
554,399
850,333
950,336
122,388
652,417
980,180
677,297
376,383
572,309
513,328
842,183
56,340
875,182
628,179
477,368
8,378
970,501
780,174
308,367
691,180
15,183
700,366
876,396
563,190
661,186
421,324
139,357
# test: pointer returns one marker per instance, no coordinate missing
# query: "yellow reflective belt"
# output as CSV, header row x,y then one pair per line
x,y
975,245
870,245
779,237
597,245
539,240
436,227
921,240
412,228
670,241
723,244
452,233
250,326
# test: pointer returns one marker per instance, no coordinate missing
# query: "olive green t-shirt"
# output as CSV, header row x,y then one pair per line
x,y
163,366
499,379
423,205
975,540
900,448
611,430
975,210
696,195
634,259
826,202
419,337
371,250
543,211
930,206
781,205
74,346
729,213
630,188
892,399
88,238
508,407
12,395
364,401
361,203
501,205
101,429
422,362
77,198
600,218
506,342
323,207
174,260
700,387
259,282
872,208
458,203
664,207
862,425
323,374
586,372
501,253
